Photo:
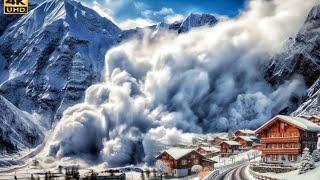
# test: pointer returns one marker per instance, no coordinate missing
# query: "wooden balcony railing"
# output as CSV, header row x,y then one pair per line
x,y
280,139
280,150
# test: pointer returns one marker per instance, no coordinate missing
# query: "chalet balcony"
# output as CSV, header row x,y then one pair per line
x,y
280,139
280,150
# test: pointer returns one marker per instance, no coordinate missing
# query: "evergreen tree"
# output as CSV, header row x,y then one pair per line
x,y
307,162
316,155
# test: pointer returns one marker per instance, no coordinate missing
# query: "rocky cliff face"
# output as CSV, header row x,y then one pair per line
x,y
301,57
52,55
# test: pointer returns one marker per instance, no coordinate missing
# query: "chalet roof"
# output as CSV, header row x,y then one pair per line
x,y
301,123
246,138
210,148
178,153
246,131
210,160
232,143
224,138
252,137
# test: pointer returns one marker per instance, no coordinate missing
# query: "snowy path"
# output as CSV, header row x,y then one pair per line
x,y
236,173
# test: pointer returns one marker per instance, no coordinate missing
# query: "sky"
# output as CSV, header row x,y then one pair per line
x,y
130,13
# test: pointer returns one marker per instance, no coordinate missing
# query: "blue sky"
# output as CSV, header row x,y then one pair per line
x,y
156,10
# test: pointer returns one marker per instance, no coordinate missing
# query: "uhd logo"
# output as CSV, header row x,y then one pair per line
x,y
15,6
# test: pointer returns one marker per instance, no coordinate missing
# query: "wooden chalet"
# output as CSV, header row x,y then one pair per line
x,y
218,140
245,141
228,148
180,161
244,132
208,151
285,137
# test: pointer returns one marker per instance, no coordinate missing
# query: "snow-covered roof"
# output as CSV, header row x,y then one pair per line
x,y
245,131
301,123
210,148
232,143
246,138
178,153
253,137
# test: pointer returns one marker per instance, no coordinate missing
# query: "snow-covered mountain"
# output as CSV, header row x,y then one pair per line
x,y
18,129
52,55
301,56
191,21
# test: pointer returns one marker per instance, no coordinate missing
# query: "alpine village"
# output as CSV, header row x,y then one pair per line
x,y
282,145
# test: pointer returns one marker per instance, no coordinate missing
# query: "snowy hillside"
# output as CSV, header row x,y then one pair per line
x,y
17,129
53,54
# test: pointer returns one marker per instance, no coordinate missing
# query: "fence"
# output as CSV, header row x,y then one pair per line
x,y
261,177
212,175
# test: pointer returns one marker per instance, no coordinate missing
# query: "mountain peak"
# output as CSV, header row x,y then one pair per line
x,y
197,20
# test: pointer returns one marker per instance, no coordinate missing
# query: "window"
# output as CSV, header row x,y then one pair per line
x,y
193,156
292,158
196,161
184,162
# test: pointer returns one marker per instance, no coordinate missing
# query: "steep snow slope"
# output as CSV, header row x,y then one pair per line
x,y
17,129
301,56
53,54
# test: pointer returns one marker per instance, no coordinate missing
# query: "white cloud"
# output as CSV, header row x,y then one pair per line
x,y
173,18
102,10
161,89
162,12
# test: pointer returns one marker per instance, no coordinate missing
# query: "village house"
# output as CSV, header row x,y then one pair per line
x,y
180,161
285,137
245,142
228,148
244,132
218,140
208,151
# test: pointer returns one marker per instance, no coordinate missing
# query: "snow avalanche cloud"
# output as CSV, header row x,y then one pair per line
x,y
160,89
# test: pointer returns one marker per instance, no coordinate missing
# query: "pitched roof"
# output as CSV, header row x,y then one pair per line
x,y
246,131
210,148
246,138
301,123
178,153
252,137
232,143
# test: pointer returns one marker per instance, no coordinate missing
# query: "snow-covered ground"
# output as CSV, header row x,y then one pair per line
x,y
226,161
293,175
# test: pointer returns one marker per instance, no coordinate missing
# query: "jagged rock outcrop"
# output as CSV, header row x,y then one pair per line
x,y
301,56
52,55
